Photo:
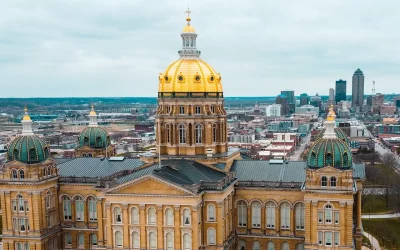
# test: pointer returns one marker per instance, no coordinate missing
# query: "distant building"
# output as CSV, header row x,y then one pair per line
x,y
388,129
358,89
387,110
340,94
273,110
279,126
396,101
307,109
304,99
377,100
283,101
291,99
331,94
238,138
316,101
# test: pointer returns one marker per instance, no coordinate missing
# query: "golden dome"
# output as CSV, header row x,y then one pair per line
x,y
331,115
188,28
190,75
92,112
26,116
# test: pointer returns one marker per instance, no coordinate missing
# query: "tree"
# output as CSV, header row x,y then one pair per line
x,y
389,159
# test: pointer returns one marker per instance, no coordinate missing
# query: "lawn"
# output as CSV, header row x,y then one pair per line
x,y
375,204
387,231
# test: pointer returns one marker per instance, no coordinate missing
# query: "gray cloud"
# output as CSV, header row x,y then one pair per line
x,y
117,48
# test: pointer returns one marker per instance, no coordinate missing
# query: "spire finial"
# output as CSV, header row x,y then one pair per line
x,y
188,12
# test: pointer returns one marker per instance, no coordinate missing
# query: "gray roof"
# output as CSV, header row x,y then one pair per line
x,y
94,167
247,170
359,171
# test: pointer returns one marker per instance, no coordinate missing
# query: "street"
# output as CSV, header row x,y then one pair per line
x,y
297,154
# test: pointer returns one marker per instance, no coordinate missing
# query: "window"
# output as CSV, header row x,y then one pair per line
x,y
67,208
92,209
270,246
197,109
151,216
299,210
135,240
22,227
19,246
68,239
187,242
328,159
49,171
256,245
198,133
336,238
93,240
320,216
242,245
242,213
49,219
81,241
300,246
168,133
328,238
285,246
320,238
211,212
256,214
79,205
324,181
336,217
14,174
117,215
214,131
182,133
118,239
345,160
134,215
333,181
181,110
285,215
186,217
212,109
168,107
26,246
169,241
152,240
328,213
21,174
211,236
47,199
169,217
21,203
270,214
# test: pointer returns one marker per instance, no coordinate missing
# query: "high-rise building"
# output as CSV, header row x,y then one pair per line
x,y
358,89
291,100
273,110
316,101
304,99
340,91
331,94
283,101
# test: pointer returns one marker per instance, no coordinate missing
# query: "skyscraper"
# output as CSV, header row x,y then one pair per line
x,y
304,99
340,91
331,94
358,89
291,100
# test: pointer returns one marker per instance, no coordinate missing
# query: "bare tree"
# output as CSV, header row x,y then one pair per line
x,y
389,159
365,193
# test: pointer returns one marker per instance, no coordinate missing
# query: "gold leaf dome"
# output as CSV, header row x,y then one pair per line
x,y
190,76
188,27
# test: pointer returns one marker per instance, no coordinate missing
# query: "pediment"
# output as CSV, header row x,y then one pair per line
x,y
329,169
149,185
15,164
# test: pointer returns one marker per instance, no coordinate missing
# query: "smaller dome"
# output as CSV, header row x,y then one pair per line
x,y
94,137
188,29
329,152
92,112
28,149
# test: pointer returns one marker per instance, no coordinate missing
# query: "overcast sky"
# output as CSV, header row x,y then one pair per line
x,y
51,48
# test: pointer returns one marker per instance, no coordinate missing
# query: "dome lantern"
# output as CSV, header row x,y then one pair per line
x,y
330,125
189,35
26,123
93,118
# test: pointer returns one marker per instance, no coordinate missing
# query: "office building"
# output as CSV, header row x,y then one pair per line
x,y
340,93
357,89
331,95
304,99
273,110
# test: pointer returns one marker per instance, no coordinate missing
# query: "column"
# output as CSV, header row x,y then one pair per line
x,y
308,221
277,219
73,215
6,210
220,223
359,226
195,225
125,221
249,217
100,235
143,222
349,222
109,228
160,233
177,234
37,210
292,224
314,234
263,219
44,211
342,223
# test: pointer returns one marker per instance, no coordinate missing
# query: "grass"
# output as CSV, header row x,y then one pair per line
x,y
387,231
374,204
366,242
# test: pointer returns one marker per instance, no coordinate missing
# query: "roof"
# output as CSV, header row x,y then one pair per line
x,y
94,167
359,171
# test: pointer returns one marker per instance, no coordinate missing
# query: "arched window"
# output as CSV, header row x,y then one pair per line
x,y
118,239
152,240
242,213
270,246
26,246
328,159
242,245
47,199
67,208
21,174
168,133
211,236
86,141
46,152
44,172
92,209
32,154
19,246
212,107
300,246
169,217
134,215
16,154
99,141
135,240
49,171
198,133
270,214
187,242
285,246
182,133
345,159
333,181
256,245
93,240
256,214
285,215
328,213
211,212
182,110
14,174
214,132
151,216
79,208
324,181
186,217
313,159
299,211
117,215
81,241
21,203
197,110
169,241
68,239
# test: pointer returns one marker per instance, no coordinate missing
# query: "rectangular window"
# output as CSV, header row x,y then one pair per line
x,y
320,216
92,211
328,238
48,218
181,110
22,225
15,224
79,210
271,217
336,238
14,205
320,238
242,215
336,215
256,216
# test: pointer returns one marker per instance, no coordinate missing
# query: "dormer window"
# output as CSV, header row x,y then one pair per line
x,y
333,181
324,181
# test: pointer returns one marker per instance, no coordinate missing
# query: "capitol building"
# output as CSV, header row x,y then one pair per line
x,y
190,192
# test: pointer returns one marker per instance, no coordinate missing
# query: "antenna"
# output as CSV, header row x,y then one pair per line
x,y
373,87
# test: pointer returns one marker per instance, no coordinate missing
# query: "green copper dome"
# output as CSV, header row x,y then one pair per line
x,y
329,152
94,137
339,134
28,149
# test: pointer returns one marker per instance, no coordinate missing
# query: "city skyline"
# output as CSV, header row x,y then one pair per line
x,y
115,50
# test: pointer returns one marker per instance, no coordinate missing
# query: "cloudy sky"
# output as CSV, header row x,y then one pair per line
x,y
51,48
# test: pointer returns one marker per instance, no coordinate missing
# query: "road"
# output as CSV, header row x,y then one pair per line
x,y
373,240
380,216
297,154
